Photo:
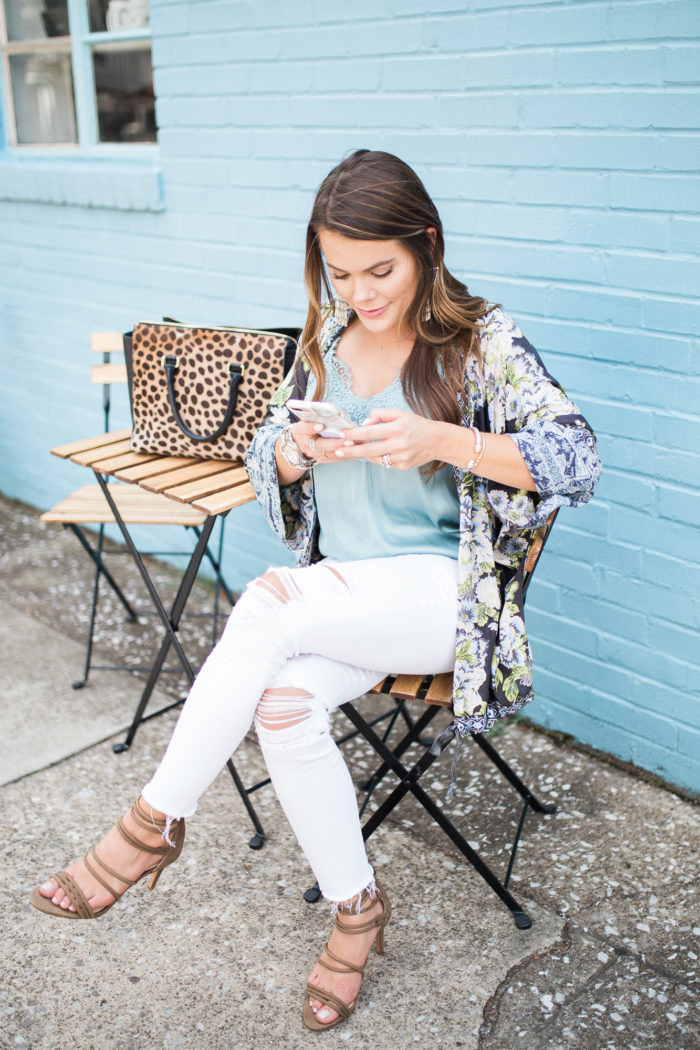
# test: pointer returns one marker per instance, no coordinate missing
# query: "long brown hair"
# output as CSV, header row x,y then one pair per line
x,y
375,196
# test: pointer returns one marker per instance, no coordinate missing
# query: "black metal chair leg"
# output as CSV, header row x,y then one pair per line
x,y
511,776
313,894
409,782
93,611
413,736
171,623
102,568
258,838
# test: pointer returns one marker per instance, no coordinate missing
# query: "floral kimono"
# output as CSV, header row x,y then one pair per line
x,y
510,392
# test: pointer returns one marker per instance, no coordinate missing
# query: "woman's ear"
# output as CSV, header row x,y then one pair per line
x,y
432,233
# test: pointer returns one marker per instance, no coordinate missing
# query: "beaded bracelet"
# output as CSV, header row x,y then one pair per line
x,y
479,449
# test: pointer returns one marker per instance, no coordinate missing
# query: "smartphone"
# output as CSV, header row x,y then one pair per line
x,y
334,420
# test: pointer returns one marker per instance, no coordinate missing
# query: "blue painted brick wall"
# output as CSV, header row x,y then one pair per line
x,y
561,142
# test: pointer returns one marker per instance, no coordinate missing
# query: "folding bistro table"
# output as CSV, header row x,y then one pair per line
x,y
211,488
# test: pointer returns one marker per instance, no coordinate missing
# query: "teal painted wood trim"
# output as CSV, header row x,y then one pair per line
x,y
124,186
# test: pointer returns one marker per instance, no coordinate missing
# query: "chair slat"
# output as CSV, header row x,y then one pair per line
x,y
87,505
106,342
226,500
153,468
534,550
406,686
94,455
207,486
440,690
124,459
100,441
198,468
108,373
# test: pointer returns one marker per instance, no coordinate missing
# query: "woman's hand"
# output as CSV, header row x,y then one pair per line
x,y
395,438
306,436
407,439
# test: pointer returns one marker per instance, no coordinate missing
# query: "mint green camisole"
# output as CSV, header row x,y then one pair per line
x,y
367,511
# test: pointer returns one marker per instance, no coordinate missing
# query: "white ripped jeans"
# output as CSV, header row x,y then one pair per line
x,y
299,643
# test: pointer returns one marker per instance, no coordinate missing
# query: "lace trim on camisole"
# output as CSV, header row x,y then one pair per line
x,y
339,381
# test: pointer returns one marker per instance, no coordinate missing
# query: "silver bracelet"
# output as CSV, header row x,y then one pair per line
x,y
479,449
291,453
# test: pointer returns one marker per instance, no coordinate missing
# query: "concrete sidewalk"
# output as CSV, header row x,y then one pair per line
x,y
218,956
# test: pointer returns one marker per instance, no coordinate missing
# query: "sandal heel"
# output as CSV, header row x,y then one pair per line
x,y
153,881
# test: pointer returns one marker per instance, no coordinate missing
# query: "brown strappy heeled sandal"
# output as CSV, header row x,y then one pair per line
x,y
83,909
378,923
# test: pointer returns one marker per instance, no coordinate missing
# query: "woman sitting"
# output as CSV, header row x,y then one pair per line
x,y
409,530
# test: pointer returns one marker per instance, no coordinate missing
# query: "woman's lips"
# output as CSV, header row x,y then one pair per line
x,y
372,313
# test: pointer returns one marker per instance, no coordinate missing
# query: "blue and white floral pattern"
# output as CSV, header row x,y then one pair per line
x,y
508,392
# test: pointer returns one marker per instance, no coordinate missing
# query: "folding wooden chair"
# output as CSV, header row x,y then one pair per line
x,y
436,692
88,506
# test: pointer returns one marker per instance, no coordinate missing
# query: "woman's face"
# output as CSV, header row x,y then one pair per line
x,y
378,279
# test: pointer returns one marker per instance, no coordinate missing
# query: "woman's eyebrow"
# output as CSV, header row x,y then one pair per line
x,y
382,262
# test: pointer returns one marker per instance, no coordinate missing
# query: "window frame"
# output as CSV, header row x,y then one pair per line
x,y
81,44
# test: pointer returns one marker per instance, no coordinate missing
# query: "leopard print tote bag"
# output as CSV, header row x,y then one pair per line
x,y
202,392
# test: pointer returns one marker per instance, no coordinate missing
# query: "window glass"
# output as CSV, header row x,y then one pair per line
x,y
124,90
91,86
113,16
36,19
42,85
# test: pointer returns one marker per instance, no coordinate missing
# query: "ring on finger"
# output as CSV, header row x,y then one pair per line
x,y
386,460
312,445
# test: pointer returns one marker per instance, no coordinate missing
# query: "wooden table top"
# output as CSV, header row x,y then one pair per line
x,y
212,486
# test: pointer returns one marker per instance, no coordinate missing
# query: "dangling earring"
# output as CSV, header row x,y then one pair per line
x,y
341,312
427,311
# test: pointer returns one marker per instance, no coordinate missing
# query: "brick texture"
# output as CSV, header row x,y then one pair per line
x,y
561,142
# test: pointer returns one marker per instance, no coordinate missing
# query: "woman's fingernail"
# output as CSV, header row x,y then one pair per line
x,y
339,453
347,444
318,427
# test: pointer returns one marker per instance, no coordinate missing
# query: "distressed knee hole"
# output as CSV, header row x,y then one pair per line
x,y
280,708
271,582
336,574
279,586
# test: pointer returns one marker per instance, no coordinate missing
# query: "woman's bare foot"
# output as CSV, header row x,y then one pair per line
x,y
116,853
354,947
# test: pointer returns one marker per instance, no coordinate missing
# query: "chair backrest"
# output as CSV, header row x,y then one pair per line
x,y
109,371
539,538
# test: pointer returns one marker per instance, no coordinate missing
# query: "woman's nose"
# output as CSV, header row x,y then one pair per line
x,y
363,291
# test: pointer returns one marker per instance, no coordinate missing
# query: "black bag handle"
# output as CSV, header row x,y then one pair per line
x,y
171,365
